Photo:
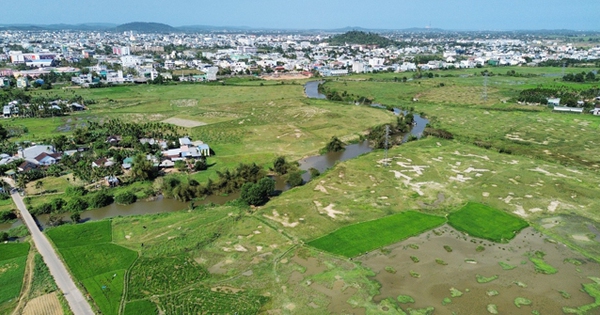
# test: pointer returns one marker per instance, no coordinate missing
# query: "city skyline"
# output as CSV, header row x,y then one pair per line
x,y
493,15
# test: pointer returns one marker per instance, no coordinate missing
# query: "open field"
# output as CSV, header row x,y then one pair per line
x,y
363,237
12,268
484,222
230,258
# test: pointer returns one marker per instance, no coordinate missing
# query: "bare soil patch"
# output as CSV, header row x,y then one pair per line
x,y
44,305
184,122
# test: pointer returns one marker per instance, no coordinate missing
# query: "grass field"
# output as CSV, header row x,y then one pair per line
x,y
485,222
12,267
363,237
94,261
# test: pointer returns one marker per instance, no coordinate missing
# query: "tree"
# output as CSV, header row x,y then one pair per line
x,y
39,185
295,179
142,168
200,165
125,198
181,166
75,217
3,133
280,165
258,194
314,172
335,145
100,199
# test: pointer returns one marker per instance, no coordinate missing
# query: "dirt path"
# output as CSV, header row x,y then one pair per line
x,y
27,279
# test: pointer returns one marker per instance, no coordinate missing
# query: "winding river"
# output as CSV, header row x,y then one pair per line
x,y
160,204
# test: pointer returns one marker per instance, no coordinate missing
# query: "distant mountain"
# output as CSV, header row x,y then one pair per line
x,y
56,27
360,38
146,27
198,28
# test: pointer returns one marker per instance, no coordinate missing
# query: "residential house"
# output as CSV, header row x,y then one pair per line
x,y
111,181
103,162
32,152
46,159
553,102
27,166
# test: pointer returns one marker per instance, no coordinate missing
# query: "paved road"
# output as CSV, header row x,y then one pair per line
x,y
75,298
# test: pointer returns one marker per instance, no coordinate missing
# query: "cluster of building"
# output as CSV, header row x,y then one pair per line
x,y
125,57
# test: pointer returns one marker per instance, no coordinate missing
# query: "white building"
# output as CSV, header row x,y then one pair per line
x,y
130,61
358,67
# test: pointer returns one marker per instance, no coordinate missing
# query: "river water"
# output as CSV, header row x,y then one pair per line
x,y
160,204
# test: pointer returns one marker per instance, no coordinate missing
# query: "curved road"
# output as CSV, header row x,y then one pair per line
x,y
75,298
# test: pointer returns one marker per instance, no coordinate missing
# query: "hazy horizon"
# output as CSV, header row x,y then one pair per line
x,y
491,15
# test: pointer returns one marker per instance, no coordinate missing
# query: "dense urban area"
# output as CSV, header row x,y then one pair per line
x,y
149,169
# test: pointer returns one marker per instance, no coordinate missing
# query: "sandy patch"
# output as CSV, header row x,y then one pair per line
x,y
485,194
459,178
183,122
399,174
329,211
259,248
543,171
484,157
579,237
321,189
478,170
520,211
240,248
226,289
553,206
285,221
184,103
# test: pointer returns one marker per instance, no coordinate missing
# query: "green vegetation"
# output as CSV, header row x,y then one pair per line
x,y
482,279
335,145
42,281
492,293
542,266
363,237
404,299
506,266
95,261
415,259
522,301
446,301
455,292
485,222
141,307
12,267
360,38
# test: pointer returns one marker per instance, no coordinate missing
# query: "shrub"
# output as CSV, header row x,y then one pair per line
x,y
295,179
125,198
75,191
100,199
258,194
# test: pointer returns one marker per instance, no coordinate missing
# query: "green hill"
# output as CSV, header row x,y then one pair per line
x,y
360,38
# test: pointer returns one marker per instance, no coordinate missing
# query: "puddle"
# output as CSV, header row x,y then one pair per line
x,y
455,269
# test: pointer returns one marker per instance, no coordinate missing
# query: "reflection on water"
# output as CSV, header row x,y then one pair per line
x,y
440,270
311,89
8,226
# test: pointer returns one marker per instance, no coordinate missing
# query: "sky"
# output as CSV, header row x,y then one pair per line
x,y
316,14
